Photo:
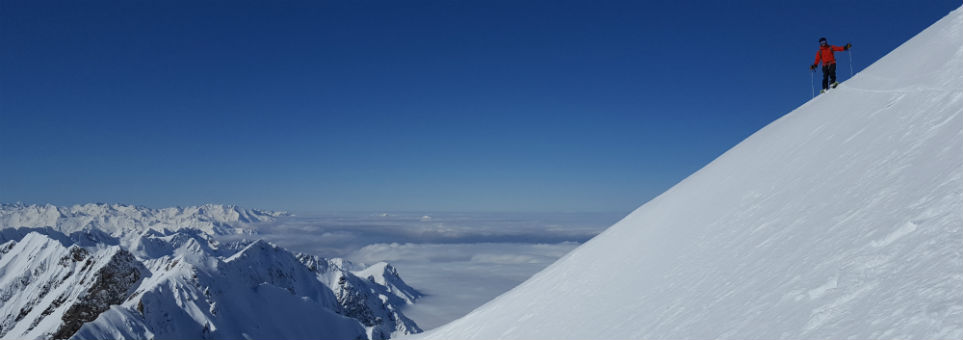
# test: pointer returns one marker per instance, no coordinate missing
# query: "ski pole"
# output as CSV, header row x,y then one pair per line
x,y
812,83
850,61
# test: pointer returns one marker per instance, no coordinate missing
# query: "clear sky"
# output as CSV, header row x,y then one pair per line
x,y
404,105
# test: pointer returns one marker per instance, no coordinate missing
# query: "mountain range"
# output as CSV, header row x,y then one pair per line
x,y
112,271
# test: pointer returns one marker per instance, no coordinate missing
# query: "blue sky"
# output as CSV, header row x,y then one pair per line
x,y
413,105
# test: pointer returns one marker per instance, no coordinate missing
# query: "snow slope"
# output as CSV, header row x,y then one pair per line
x,y
127,272
841,219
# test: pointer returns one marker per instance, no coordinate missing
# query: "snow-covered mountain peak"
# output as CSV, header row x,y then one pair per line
x,y
841,219
387,276
256,249
58,288
119,219
162,273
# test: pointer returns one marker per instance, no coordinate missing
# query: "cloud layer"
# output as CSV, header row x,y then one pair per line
x,y
459,260
342,234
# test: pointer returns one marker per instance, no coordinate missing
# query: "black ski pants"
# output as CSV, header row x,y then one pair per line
x,y
829,75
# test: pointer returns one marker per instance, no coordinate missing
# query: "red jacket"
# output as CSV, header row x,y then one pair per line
x,y
826,54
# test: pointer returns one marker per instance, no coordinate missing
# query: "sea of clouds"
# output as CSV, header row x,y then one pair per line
x,y
458,260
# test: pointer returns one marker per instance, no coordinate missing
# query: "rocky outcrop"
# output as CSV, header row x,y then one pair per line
x,y
111,285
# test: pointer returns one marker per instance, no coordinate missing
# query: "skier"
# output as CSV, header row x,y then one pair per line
x,y
825,54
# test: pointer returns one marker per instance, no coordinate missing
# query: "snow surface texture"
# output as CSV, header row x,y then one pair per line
x,y
840,220
127,272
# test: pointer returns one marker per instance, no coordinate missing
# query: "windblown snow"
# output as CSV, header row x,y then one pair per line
x,y
99,271
841,219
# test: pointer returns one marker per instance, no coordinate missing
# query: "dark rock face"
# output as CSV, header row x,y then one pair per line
x,y
362,300
77,254
353,301
111,286
316,264
6,247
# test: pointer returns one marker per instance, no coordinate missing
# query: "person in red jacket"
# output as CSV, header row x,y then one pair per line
x,y
825,55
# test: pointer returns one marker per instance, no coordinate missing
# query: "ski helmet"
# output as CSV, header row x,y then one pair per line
x,y
822,39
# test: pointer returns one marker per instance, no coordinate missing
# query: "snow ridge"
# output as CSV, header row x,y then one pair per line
x,y
121,272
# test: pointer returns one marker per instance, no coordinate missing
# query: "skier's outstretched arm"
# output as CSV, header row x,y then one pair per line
x,y
842,48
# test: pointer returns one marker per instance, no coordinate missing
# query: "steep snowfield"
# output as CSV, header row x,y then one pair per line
x,y
841,219
127,272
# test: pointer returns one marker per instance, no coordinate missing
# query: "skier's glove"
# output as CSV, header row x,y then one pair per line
x,y
848,46
812,67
